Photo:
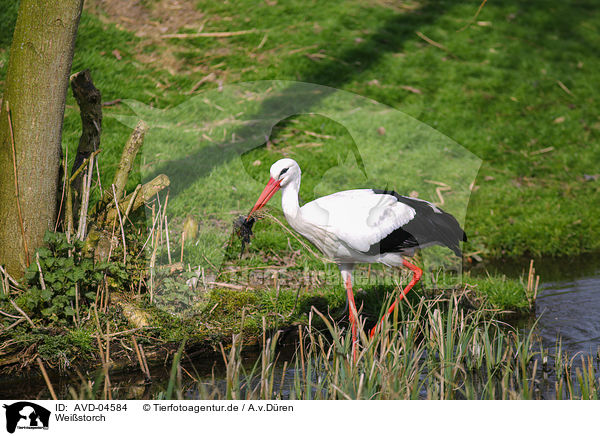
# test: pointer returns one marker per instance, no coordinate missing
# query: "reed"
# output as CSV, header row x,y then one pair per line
x,y
431,349
435,351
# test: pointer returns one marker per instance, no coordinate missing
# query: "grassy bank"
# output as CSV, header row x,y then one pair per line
x,y
71,335
436,351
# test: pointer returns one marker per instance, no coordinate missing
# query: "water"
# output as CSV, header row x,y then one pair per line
x,y
570,310
568,300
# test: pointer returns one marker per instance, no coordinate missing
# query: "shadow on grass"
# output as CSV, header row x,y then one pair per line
x,y
332,72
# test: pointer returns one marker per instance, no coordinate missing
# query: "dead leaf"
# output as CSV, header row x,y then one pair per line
x,y
373,82
381,130
541,151
316,56
559,120
411,89
116,54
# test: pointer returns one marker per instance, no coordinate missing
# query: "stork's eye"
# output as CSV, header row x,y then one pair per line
x,y
283,171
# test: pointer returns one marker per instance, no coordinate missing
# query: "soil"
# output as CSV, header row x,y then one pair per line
x,y
149,20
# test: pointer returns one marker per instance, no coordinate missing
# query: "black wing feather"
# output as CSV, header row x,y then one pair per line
x,y
427,227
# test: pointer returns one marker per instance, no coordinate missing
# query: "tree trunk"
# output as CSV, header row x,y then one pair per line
x,y
36,85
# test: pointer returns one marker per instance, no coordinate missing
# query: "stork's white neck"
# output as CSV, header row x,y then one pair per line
x,y
289,200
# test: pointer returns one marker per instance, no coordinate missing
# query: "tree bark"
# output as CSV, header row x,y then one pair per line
x,y
37,78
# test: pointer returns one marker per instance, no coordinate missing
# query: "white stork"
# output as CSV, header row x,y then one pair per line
x,y
362,226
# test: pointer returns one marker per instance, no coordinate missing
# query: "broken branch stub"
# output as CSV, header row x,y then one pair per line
x,y
130,151
146,192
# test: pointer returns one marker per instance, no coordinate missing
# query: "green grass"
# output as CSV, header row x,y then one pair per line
x,y
494,90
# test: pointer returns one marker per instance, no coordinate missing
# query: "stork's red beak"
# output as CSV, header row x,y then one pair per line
x,y
270,190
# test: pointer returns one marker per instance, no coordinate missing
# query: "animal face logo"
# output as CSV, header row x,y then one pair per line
x,y
24,414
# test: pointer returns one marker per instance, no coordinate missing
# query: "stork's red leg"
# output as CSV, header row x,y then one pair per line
x,y
417,273
352,312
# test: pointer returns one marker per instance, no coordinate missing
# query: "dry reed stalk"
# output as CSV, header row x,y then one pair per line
x,y
432,42
62,195
46,378
182,244
85,198
283,372
120,224
139,356
150,236
77,303
262,42
215,269
106,292
107,384
14,156
107,339
474,18
99,333
143,354
22,313
125,332
152,258
69,215
564,88
98,176
159,237
37,261
230,286
302,352
83,165
168,243
130,205
208,77
164,209
10,315
14,324
533,282
8,277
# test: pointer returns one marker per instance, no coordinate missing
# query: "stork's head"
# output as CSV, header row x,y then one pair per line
x,y
283,172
